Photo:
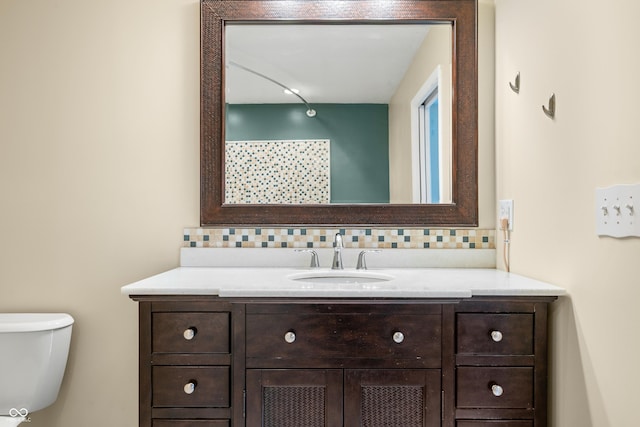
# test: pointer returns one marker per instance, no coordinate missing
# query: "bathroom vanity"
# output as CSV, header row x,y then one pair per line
x,y
432,347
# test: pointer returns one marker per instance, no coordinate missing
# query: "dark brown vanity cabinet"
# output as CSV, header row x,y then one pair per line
x,y
211,362
334,365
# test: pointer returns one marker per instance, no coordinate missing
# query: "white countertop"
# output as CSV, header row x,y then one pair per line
x,y
403,283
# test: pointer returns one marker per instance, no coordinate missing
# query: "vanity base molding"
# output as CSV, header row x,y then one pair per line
x,y
207,361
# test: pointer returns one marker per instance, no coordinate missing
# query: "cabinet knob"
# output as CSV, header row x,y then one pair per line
x,y
190,387
497,390
290,337
496,336
398,337
189,333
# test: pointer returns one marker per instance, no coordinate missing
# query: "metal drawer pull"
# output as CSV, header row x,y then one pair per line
x,y
496,336
290,337
497,390
189,333
190,387
398,337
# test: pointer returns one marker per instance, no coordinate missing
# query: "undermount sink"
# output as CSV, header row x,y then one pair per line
x,y
340,277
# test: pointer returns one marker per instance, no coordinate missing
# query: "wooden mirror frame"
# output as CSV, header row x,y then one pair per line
x,y
462,14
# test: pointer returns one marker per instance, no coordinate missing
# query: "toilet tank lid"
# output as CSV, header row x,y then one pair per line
x,y
32,322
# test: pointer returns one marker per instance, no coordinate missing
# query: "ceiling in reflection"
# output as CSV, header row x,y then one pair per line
x,y
326,63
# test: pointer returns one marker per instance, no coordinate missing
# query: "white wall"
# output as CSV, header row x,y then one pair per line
x,y
99,173
587,54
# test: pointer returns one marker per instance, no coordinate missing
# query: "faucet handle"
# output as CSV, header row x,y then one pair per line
x,y
315,262
362,263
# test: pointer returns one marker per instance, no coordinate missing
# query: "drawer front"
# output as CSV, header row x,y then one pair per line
x,y
190,423
178,386
480,387
494,423
344,336
190,332
494,334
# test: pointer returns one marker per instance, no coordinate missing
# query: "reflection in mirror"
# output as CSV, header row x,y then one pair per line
x,y
382,99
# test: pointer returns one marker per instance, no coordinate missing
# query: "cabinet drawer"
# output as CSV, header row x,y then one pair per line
x,y
494,334
190,423
474,387
190,333
494,423
358,335
171,386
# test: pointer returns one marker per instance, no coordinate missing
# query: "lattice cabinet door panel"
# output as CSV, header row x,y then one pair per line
x,y
383,398
294,398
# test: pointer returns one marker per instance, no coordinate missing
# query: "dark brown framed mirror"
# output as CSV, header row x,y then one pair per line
x,y
231,37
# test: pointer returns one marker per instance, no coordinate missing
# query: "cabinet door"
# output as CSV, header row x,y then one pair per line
x,y
294,398
383,398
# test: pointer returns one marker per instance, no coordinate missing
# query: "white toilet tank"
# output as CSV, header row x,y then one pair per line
x,y
33,355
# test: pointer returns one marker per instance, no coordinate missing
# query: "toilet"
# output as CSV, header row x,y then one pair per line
x,y
33,354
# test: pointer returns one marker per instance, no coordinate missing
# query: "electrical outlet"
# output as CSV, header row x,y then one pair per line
x,y
505,210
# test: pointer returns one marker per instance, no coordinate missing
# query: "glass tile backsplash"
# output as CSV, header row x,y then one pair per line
x,y
384,238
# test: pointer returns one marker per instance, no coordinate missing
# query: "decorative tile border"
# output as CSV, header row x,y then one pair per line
x,y
387,238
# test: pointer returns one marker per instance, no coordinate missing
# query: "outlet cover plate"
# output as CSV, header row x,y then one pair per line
x,y
505,210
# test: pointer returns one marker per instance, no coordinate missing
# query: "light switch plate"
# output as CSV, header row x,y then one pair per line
x,y
617,211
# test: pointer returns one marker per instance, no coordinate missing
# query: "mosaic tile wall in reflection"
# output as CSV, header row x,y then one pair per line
x,y
277,172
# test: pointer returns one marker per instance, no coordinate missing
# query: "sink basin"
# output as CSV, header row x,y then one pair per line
x,y
340,277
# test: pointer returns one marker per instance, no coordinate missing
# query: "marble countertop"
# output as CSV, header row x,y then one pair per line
x,y
399,283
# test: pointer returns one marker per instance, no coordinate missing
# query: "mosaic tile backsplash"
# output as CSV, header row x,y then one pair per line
x,y
275,172
387,238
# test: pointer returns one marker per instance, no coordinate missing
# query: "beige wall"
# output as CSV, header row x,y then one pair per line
x,y
585,52
99,173
435,51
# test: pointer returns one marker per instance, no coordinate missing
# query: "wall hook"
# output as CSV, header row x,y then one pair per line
x,y
551,110
516,87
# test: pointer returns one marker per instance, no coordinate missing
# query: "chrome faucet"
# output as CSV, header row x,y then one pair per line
x,y
337,253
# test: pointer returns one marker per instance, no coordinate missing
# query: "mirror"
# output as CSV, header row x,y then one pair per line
x,y
349,139
252,50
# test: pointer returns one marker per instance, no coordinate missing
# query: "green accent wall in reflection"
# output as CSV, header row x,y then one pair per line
x,y
358,134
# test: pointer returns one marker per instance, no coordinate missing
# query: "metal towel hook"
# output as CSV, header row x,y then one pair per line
x,y
516,87
551,110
